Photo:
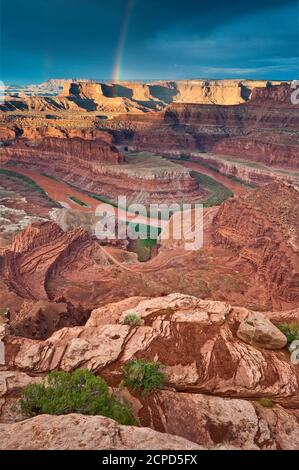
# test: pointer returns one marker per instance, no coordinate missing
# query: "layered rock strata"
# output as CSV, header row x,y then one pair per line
x,y
214,378
264,129
99,167
262,227
80,432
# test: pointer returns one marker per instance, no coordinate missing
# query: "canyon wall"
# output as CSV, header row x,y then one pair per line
x,y
137,97
243,170
165,92
249,120
264,129
98,166
262,228
55,151
224,92
250,258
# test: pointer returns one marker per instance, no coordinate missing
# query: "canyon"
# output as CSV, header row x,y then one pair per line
x,y
236,121
247,132
99,167
128,96
247,235
212,316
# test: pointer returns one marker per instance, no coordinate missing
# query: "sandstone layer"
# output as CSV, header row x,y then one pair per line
x,y
173,326
214,378
250,258
265,235
242,170
250,121
264,129
134,97
97,166
79,432
210,316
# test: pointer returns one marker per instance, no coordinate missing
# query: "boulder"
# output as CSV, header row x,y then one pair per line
x,y
259,331
11,386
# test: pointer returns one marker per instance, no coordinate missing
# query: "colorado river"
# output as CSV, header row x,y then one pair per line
x,y
238,189
60,192
67,195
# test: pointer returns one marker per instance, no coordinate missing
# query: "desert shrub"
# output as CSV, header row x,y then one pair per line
x,y
290,330
139,374
132,319
266,402
75,392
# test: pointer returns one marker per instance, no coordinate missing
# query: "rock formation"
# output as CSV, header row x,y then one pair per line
x,y
211,420
185,129
97,166
262,227
79,432
212,316
250,258
235,368
214,378
11,385
38,317
257,330
17,266
60,151
252,174
87,96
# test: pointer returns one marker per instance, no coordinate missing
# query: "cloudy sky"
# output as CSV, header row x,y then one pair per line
x,y
142,39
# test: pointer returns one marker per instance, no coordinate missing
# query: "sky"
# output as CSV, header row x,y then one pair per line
x,y
145,40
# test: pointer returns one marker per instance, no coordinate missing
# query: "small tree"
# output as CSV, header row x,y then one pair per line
x,y
132,319
139,374
75,392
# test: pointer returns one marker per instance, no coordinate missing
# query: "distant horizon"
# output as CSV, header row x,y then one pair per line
x,y
148,80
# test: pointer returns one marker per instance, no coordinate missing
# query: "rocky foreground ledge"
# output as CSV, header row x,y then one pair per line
x,y
220,362
79,432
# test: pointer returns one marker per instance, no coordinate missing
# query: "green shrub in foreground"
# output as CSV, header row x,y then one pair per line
x,y
143,375
75,392
132,319
290,331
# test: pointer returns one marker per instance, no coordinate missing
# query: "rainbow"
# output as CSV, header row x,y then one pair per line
x,y
116,74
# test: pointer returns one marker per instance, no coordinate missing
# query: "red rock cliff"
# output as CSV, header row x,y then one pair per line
x,y
58,149
264,129
263,227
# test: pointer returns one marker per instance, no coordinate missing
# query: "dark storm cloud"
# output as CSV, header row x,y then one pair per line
x,y
171,39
